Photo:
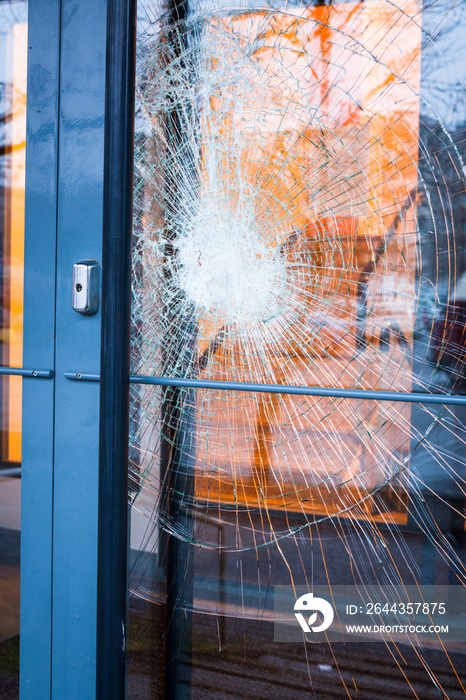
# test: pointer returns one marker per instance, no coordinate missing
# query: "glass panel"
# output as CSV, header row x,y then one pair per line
x,y
13,49
337,498
298,220
294,227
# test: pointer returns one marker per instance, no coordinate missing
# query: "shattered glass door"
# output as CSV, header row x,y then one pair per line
x,y
298,351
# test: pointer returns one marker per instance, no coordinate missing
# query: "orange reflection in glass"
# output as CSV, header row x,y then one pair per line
x,y
13,241
352,74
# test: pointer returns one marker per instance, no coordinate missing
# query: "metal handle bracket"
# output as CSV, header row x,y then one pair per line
x,y
85,291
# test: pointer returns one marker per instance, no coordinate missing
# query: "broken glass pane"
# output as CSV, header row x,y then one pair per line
x,y
299,191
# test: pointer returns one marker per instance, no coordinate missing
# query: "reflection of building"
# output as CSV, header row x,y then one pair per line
x,y
13,134
304,201
13,52
445,193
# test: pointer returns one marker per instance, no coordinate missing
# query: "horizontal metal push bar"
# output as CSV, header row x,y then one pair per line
x,y
330,392
20,372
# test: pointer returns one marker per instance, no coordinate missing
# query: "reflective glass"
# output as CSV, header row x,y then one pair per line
x,y
13,49
227,510
295,228
298,220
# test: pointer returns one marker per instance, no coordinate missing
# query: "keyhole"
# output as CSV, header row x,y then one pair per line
x,y
79,287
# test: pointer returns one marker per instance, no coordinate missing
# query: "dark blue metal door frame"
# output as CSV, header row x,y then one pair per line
x,y
39,349
81,68
115,357
64,205
76,435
